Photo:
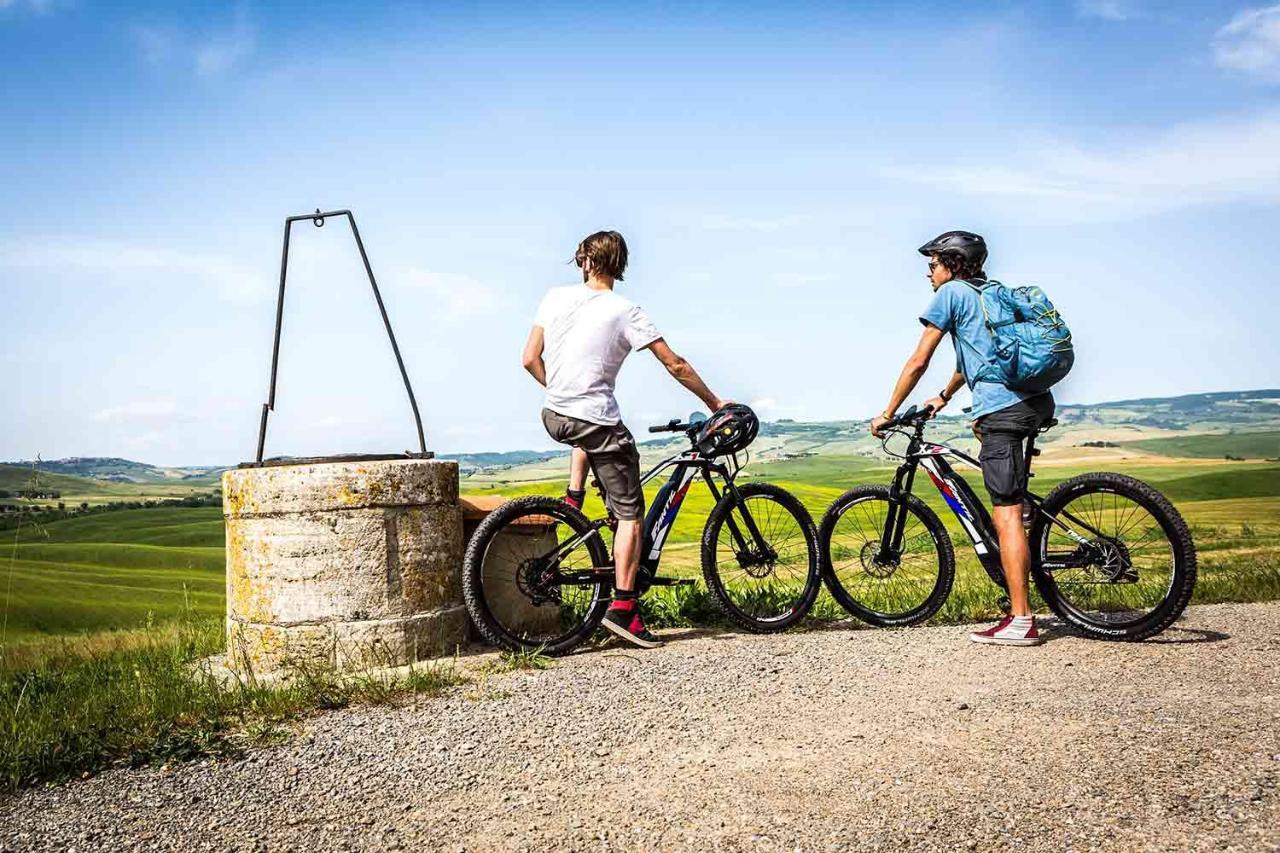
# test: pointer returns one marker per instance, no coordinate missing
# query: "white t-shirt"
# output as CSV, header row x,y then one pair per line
x,y
587,334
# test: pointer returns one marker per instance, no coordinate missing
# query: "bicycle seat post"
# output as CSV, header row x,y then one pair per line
x,y
1032,452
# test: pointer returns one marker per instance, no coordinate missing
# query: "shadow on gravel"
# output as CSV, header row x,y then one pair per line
x,y
1180,636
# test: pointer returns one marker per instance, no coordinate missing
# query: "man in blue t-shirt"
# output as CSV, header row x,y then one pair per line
x,y
1002,418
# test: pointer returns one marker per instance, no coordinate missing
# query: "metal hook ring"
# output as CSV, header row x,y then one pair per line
x,y
317,220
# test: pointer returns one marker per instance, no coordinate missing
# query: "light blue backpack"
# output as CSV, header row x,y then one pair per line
x,y
1033,343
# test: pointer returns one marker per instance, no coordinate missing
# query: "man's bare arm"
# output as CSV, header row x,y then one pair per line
x,y
532,358
949,390
915,367
684,373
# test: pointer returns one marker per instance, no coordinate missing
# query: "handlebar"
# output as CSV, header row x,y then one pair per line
x,y
676,425
910,416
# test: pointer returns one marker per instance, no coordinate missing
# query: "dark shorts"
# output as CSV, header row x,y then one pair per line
x,y
1004,437
614,458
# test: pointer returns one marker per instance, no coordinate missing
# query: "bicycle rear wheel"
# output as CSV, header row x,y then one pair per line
x,y
1117,562
887,592
536,575
761,589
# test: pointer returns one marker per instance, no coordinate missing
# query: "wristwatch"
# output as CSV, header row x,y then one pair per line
x,y
943,395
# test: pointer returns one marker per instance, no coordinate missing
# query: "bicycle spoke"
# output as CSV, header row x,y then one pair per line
x,y
889,589
519,577
764,588
1131,566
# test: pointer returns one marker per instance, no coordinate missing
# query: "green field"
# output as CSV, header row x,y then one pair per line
x,y
73,490
112,570
1243,445
120,570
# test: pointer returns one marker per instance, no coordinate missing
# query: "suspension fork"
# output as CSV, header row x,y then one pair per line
x,y
896,519
739,541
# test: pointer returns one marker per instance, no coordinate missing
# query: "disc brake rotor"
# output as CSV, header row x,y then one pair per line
x,y
755,564
1113,561
536,580
871,564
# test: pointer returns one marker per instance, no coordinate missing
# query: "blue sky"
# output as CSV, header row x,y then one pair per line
x,y
773,167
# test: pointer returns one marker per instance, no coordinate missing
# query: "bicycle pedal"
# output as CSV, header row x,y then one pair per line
x,y
673,581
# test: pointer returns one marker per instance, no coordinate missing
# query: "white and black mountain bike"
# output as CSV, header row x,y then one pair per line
x,y
1110,555
538,573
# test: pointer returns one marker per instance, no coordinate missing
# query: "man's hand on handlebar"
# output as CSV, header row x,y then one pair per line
x,y
937,404
881,423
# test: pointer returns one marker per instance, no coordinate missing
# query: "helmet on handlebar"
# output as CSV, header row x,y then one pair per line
x,y
727,431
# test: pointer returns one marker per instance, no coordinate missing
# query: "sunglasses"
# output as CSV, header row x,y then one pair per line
x,y
933,265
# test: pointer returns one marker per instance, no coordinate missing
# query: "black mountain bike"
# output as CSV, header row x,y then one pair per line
x,y
1110,555
538,574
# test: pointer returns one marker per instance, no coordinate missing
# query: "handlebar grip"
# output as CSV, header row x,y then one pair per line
x,y
670,426
909,416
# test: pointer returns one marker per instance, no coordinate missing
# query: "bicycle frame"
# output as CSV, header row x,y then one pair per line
x,y
966,506
956,493
662,513
664,510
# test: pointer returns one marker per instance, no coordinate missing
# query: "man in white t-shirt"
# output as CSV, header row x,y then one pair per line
x,y
579,339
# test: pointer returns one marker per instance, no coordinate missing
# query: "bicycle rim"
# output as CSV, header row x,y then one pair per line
x,y
902,591
1123,559
767,590
535,579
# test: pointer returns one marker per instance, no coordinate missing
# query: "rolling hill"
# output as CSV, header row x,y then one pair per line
x,y
1239,424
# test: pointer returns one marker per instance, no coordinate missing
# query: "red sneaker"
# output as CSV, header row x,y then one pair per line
x,y
1010,631
628,625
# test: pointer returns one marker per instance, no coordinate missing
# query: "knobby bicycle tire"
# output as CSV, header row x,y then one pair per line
x,y
946,561
478,603
791,611
1183,552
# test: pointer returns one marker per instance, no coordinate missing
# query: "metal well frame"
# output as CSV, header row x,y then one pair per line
x,y
318,219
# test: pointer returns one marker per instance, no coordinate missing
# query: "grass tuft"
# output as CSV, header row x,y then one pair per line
x,y
150,701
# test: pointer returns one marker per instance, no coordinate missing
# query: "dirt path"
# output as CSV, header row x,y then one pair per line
x,y
833,739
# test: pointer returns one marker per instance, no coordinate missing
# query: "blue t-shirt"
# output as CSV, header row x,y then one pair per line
x,y
956,309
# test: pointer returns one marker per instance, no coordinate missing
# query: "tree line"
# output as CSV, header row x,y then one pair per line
x,y
26,514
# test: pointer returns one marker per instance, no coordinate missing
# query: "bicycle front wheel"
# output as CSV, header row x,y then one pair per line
x,y
763,583
1112,557
886,590
536,576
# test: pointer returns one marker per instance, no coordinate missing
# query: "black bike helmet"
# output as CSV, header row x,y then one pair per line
x,y
727,431
966,244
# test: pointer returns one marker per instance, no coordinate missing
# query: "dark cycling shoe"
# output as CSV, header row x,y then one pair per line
x,y
628,625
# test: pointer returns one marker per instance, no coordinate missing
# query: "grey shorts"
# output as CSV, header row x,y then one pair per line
x,y
614,458
1004,434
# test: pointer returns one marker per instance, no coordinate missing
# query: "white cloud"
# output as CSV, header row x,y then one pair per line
x,y
40,7
1107,10
723,222
158,45
223,51
232,282
137,410
800,279
1250,43
459,295
207,54
1215,161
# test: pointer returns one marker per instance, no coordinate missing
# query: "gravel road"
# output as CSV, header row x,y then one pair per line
x,y
830,739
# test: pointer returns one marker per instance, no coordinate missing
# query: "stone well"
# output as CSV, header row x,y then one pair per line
x,y
345,563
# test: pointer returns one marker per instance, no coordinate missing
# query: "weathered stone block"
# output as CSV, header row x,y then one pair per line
x,y
325,558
